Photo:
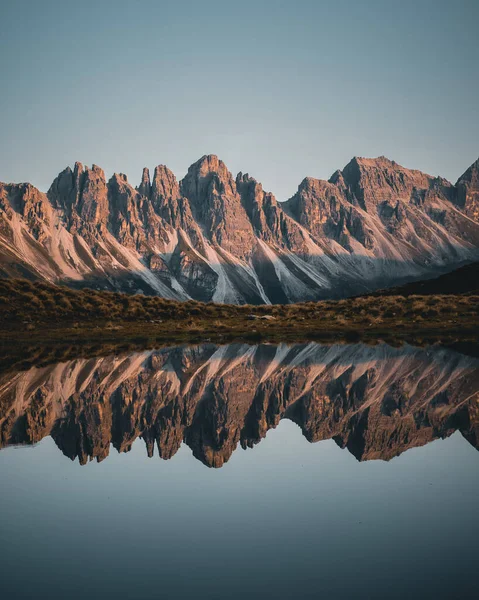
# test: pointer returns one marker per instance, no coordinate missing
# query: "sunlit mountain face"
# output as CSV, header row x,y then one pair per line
x,y
216,237
375,401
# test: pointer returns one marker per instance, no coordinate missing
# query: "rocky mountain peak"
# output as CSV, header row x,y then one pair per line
x,y
471,175
370,181
380,162
82,196
311,183
337,179
93,208
171,206
78,169
468,191
62,191
209,163
321,207
164,185
252,196
207,175
145,186
118,180
29,203
245,182
317,192
215,237
95,172
216,205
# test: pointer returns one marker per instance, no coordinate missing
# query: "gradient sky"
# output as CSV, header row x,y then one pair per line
x,y
279,89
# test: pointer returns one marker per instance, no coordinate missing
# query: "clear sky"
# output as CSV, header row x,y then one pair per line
x,y
279,89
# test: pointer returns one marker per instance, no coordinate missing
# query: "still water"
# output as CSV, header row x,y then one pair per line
x,y
241,471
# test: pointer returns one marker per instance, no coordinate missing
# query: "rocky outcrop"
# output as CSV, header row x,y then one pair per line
x,y
82,196
270,222
217,207
467,196
215,237
375,401
192,271
174,208
144,189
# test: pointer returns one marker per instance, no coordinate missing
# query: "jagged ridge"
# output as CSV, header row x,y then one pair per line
x,y
215,237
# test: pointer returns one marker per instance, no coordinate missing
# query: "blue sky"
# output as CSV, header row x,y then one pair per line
x,y
281,90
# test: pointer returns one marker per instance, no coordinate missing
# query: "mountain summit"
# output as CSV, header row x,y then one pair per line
x,y
215,237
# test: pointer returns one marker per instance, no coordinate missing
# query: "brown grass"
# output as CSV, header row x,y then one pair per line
x,y
43,309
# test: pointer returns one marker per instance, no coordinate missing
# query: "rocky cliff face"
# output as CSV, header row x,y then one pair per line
x,y
215,237
467,196
375,401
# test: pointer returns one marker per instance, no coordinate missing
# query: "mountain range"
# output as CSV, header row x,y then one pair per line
x,y
376,401
214,237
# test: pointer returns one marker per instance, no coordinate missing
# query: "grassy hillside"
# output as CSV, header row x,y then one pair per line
x,y
37,310
464,280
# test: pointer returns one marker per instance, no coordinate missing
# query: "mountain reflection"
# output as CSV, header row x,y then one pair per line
x,y
376,401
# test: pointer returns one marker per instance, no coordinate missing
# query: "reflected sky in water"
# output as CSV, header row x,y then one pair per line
x,y
285,519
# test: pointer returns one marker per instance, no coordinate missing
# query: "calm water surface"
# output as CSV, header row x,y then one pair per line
x,y
242,472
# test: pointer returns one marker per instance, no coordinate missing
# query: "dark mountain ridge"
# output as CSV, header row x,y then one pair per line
x,y
464,280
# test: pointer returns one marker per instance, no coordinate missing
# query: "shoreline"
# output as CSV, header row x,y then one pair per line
x,y
42,346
